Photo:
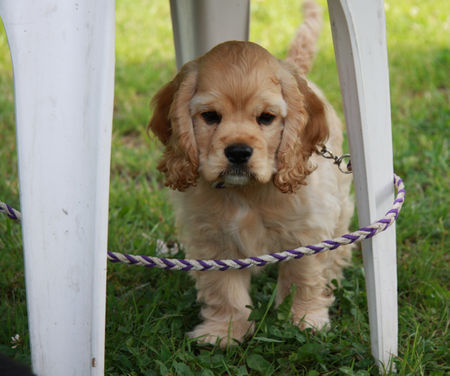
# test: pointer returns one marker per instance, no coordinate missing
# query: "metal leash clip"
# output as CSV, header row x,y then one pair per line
x,y
324,152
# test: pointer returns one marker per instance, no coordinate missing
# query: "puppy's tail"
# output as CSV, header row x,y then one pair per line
x,y
303,47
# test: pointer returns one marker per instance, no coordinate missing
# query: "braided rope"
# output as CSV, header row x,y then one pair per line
x,y
10,212
204,265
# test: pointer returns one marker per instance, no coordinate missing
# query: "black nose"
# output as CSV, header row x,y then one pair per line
x,y
238,153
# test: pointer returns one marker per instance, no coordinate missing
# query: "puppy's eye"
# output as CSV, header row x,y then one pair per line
x,y
211,117
265,118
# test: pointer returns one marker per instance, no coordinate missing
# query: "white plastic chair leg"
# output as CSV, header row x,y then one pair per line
x,y
63,61
359,35
199,25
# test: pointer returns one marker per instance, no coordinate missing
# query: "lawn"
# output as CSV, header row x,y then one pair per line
x,y
148,311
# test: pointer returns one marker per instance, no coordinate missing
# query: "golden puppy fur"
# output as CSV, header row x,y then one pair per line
x,y
238,115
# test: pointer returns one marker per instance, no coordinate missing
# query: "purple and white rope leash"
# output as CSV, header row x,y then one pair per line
x,y
204,265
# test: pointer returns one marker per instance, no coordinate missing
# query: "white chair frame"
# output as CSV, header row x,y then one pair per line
x,y
63,61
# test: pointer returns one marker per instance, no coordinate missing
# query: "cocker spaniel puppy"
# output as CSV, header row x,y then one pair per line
x,y
240,118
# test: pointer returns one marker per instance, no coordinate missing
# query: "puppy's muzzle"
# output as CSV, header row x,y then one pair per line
x,y
238,154
237,173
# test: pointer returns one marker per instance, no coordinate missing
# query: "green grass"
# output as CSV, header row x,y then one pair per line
x,y
148,311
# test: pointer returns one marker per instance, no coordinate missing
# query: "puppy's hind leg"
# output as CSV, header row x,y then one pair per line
x,y
225,296
312,298
341,258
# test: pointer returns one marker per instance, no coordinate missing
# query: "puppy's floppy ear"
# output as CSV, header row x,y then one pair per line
x,y
172,124
160,123
305,127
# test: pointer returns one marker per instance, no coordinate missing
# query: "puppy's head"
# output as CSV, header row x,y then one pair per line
x,y
238,115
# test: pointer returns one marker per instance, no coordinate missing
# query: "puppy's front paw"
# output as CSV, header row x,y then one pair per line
x,y
317,320
226,332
